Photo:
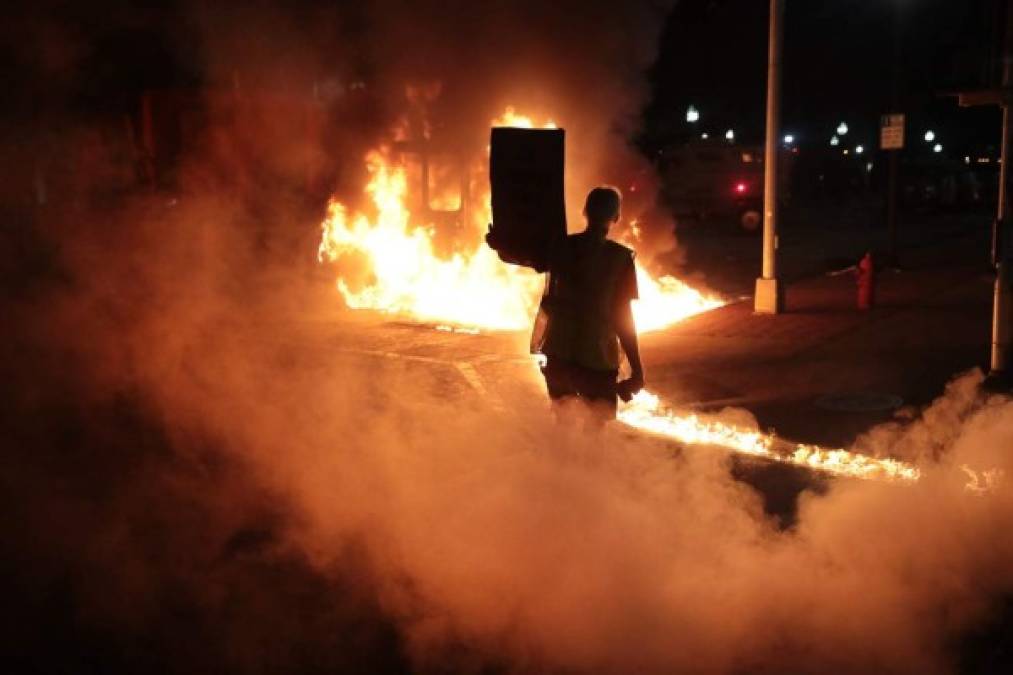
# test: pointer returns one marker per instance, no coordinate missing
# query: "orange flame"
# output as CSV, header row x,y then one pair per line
x,y
647,413
510,118
408,277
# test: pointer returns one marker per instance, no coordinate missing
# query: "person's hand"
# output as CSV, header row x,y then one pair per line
x,y
630,386
636,381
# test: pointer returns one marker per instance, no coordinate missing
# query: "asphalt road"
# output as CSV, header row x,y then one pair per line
x,y
493,373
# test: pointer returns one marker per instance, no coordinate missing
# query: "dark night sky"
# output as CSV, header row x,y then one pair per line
x,y
838,56
837,66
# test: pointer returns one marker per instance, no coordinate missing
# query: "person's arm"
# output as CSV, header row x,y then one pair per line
x,y
626,329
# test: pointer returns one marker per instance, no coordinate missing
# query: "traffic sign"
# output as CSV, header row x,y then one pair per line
x,y
891,132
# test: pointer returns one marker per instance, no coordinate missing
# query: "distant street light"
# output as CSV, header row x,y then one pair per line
x,y
930,136
788,139
704,136
730,135
859,149
692,114
937,148
835,141
842,129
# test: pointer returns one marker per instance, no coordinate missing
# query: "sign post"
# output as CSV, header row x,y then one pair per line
x,y
1000,374
891,139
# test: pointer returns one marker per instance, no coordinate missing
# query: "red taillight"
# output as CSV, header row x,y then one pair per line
x,y
740,187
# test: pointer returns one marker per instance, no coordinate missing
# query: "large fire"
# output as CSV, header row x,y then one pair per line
x,y
469,287
407,277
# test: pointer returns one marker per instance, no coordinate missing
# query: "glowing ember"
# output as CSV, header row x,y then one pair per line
x,y
405,275
646,412
510,118
982,482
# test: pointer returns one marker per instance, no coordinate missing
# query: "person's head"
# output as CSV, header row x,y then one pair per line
x,y
602,208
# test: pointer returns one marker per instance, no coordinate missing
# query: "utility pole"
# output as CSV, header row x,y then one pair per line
x,y
769,296
1000,375
999,367
894,155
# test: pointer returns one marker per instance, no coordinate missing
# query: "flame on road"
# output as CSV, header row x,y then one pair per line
x,y
647,413
405,274
667,300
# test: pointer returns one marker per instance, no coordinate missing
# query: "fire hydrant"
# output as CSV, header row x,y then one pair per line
x,y
865,273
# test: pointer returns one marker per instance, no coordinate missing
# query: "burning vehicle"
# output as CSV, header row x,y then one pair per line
x,y
414,246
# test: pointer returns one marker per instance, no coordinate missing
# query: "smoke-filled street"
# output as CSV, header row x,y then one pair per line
x,y
283,483
503,338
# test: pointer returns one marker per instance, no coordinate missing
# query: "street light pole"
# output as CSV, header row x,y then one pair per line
x,y
1002,312
894,158
769,296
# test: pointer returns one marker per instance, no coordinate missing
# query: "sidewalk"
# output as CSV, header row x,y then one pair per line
x,y
931,322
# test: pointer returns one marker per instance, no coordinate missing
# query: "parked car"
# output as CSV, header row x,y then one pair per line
x,y
709,181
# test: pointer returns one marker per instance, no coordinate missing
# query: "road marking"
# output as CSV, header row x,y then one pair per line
x,y
396,355
471,375
466,369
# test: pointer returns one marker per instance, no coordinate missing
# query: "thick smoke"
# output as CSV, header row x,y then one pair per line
x,y
186,451
205,473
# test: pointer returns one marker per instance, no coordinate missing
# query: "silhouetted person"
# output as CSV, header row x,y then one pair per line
x,y
585,314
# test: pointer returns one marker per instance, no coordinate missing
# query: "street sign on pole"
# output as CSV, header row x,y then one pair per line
x,y
891,132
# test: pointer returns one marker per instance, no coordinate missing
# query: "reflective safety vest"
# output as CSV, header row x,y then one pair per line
x,y
585,288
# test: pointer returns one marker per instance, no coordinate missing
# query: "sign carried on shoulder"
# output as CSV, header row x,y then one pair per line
x,y
528,203
891,132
